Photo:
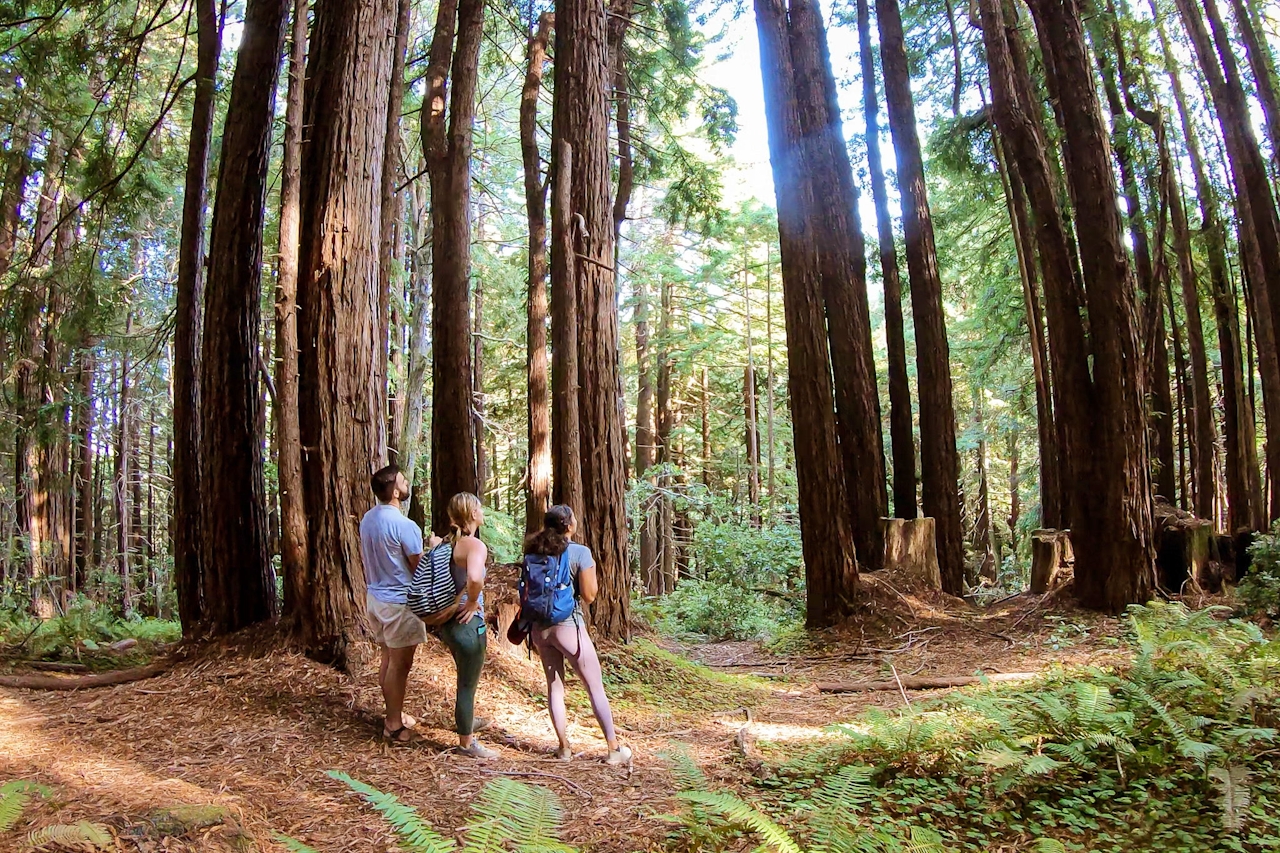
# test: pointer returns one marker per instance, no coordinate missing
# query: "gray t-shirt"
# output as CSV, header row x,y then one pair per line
x,y
387,540
579,558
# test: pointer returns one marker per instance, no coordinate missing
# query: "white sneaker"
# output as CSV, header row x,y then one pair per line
x,y
565,753
619,757
478,750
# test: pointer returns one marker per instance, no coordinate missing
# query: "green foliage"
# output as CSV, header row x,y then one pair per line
x,y
14,796
81,836
82,633
1259,592
506,815
1172,752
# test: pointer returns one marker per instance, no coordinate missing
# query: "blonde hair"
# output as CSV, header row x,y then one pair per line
x,y
465,511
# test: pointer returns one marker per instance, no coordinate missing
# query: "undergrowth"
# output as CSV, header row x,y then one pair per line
x,y
82,634
645,675
1172,752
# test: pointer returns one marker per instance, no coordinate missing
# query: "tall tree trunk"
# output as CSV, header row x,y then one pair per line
x,y
12,198
477,387
1259,225
1113,528
392,206
535,196
1262,64
842,270
752,432
349,72
770,422
566,449
446,144
581,119
665,564
293,518
704,400
644,449
419,353
84,529
187,537
1244,487
940,467
831,569
901,428
239,586
120,481
984,534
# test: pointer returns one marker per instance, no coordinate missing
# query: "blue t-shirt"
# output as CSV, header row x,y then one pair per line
x,y
387,540
579,558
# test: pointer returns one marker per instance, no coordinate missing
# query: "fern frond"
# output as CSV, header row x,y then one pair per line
x,y
687,773
738,812
1050,845
415,834
292,844
849,787
923,841
1233,793
507,811
83,834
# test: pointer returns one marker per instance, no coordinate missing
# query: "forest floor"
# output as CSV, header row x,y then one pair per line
x,y
250,734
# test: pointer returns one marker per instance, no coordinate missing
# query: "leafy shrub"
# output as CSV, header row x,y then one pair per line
x,y
85,629
506,812
718,611
730,552
1172,752
1260,591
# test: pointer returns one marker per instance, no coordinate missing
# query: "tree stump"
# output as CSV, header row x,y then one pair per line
x,y
1184,550
1050,553
1244,560
911,550
504,614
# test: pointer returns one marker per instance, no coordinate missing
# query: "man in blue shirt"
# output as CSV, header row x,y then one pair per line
x,y
390,547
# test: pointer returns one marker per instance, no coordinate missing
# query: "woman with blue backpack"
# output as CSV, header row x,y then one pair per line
x,y
557,577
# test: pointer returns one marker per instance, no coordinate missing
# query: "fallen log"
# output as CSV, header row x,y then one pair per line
x,y
82,682
57,666
928,683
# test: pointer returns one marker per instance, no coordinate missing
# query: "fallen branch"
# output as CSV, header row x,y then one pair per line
x,y
534,773
57,666
100,679
928,683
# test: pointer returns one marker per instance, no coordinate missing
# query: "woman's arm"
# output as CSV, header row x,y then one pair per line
x,y
588,584
475,555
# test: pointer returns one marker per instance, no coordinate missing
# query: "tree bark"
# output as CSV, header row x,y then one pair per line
x,y
239,581
1244,488
120,482
581,119
1262,64
658,581
17,171
566,449
1259,225
349,72
535,195
392,206
1111,523
831,568
84,528
940,468
901,426
446,143
419,354
293,518
645,438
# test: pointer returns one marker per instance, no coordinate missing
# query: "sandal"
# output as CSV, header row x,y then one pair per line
x,y
395,739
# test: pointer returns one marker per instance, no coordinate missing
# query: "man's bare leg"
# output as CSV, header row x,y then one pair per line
x,y
396,664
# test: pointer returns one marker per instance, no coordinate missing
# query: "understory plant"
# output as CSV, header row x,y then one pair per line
x,y
506,816
1259,591
1173,751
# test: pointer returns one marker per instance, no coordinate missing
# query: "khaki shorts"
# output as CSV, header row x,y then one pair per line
x,y
394,625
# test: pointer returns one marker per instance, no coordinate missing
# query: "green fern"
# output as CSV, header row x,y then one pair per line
x,y
1233,793
81,835
527,816
736,811
292,844
415,834
1050,845
14,797
688,775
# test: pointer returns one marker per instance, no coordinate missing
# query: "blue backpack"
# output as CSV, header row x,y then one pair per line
x,y
547,595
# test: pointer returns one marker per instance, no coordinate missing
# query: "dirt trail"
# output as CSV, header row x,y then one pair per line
x,y
255,734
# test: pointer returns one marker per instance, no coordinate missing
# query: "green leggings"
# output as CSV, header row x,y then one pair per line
x,y
467,643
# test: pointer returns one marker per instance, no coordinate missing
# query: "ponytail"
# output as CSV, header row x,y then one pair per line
x,y
553,539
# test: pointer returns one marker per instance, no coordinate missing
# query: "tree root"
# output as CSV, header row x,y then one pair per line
x,y
82,682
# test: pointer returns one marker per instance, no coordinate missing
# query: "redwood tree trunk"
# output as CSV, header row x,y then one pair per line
x,y
1112,529
535,196
940,467
288,439
188,578
826,529
842,269
581,118
446,142
1262,64
644,450
1259,225
901,427
349,71
239,581
566,450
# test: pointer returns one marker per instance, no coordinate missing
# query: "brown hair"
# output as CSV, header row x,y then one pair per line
x,y
464,510
553,538
383,482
